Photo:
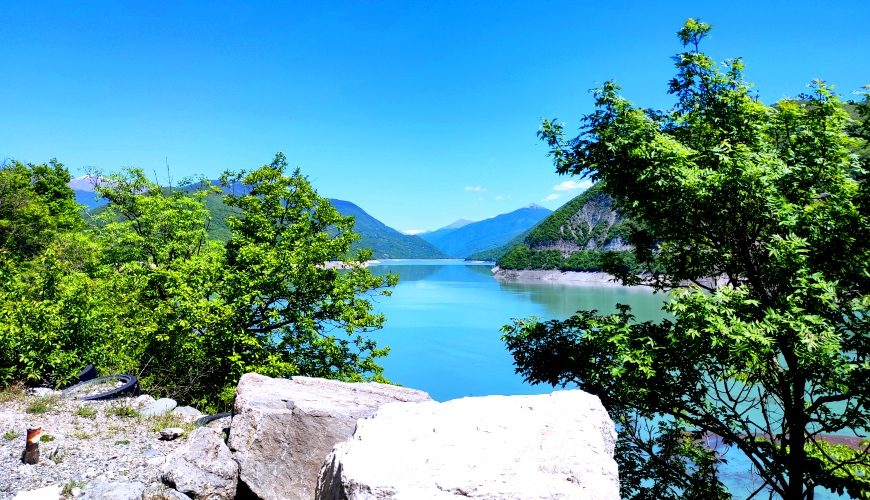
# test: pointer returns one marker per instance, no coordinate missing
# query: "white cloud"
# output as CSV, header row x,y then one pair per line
x,y
572,185
413,232
476,189
500,198
552,196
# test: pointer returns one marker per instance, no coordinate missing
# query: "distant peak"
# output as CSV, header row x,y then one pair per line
x,y
458,223
533,205
85,182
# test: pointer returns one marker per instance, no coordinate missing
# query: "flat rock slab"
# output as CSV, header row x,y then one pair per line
x,y
283,429
113,490
495,447
159,407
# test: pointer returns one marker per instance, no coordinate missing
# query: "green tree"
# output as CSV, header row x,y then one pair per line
x,y
193,315
754,218
293,313
35,205
164,276
48,319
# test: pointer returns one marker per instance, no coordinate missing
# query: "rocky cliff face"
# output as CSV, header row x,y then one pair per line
x,y
588,222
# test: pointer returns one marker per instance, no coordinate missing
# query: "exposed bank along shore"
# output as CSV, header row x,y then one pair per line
x,y
555,276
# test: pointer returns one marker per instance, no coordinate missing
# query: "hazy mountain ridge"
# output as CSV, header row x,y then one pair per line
x,y
486,234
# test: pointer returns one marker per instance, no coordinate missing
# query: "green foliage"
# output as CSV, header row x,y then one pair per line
x,y
10,435
72,485
768,201
522,257
121,410
147,291
289,313
42,404
35,204
86,412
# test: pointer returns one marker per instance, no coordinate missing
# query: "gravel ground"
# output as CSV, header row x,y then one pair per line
x,y
82,441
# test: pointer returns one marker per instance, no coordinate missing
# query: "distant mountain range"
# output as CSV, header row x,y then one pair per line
x,y
460,239
470,238
84,189
384,241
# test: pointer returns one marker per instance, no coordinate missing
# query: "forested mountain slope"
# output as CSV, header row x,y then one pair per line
x,y
384,241
575,237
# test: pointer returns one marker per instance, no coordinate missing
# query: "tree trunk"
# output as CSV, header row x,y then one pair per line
x,y
796,420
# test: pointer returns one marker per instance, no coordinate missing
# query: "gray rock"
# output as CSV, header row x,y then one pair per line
x,y
525,447
202,468
158,491
159,407
282,430
170,433
143,400
112,490
188,413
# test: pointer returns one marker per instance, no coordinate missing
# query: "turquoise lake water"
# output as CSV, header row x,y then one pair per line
x,y
443,323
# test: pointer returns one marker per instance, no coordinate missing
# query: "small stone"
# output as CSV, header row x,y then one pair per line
x,y
188,413
76,492
155,461
170,433
41,391
159,407
143,400
151,453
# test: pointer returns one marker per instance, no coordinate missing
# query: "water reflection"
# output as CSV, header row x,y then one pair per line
x,y
561,301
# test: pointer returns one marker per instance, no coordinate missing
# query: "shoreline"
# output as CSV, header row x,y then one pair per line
x,y
556,277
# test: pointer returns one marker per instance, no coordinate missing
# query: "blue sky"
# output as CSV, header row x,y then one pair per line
x,y
419,112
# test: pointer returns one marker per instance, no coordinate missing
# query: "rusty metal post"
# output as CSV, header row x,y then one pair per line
x,y
31,449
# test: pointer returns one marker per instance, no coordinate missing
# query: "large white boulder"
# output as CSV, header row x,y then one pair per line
x,y
496,447
283,429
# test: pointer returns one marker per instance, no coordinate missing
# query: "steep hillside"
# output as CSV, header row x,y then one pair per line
x,y
486,234
497,253
385,242
579,236
588,222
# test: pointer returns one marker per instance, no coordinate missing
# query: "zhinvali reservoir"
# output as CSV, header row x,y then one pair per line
x,y
443,323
